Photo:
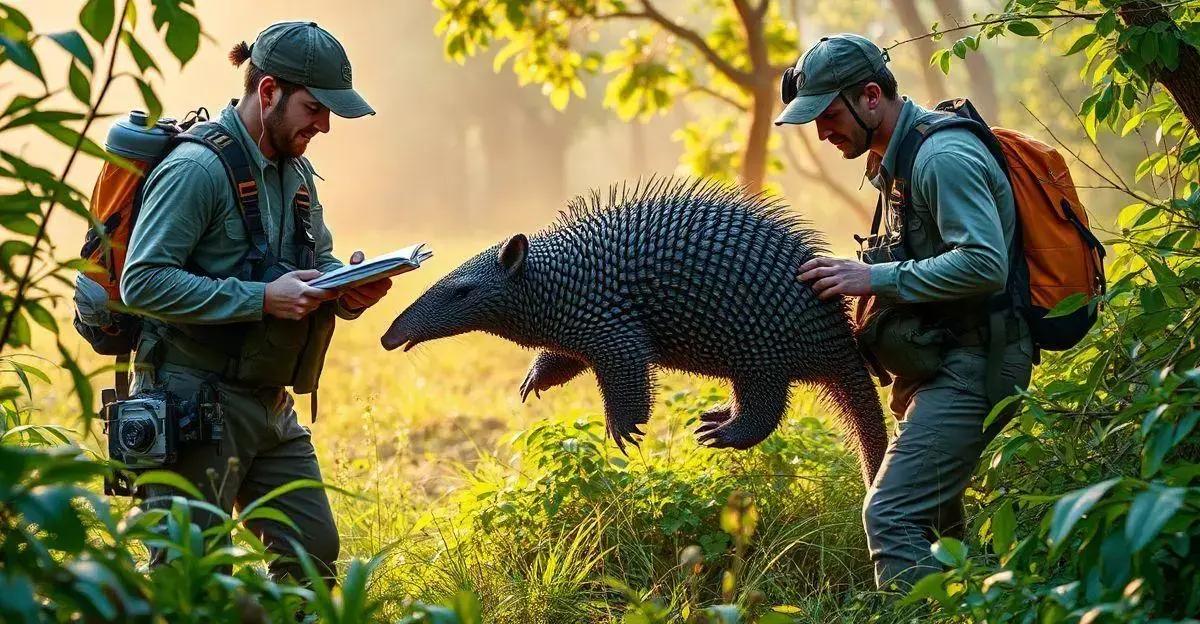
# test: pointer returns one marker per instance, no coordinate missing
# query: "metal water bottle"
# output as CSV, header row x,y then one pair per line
x,y
130,137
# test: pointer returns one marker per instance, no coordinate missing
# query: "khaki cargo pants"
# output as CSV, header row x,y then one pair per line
x,y
271,449
917,494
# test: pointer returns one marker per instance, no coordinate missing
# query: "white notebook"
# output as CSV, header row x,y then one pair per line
x,y
371,269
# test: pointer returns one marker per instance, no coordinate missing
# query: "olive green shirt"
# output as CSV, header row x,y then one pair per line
x,y
957,182
190,227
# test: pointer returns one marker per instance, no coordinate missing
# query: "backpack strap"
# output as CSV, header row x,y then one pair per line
x,y
245,187
302,233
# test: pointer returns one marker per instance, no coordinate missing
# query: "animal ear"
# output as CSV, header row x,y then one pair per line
x,y
513,252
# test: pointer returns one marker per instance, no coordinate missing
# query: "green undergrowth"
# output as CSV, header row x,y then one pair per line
x,y
558,526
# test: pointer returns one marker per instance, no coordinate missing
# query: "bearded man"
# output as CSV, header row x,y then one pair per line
x,y
218,265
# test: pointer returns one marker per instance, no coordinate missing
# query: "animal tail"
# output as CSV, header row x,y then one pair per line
x,y
860,413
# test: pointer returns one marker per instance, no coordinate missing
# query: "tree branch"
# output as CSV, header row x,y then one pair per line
x,y
1015,17
720,96
23,284
737,76
756,46
820,174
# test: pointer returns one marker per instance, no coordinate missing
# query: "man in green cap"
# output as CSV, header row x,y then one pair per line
x,y
228,235
930,280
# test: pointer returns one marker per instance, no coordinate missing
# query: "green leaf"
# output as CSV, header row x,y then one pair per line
x,y
20,53
1155,449
183,35
41,315
97,17
1104,104
950,551
83,385
169,479
1072,506
298,484
1149,47
930,586
1169,45
153,105
79,84
960,49
1149,512
15,20
944,62
999,408
270,513
139,54
20,224
1081,43
1068,305
31,370
22,102
1023,28
1106,24
71,139
1004,526
73,42
42,116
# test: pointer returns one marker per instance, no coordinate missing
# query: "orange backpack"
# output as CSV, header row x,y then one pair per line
x,y
100,316
1062,257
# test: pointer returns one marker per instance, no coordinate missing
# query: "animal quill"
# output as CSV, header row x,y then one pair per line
x,y
671,274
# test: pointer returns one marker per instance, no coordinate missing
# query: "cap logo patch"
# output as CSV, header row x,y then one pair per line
x,y
346,72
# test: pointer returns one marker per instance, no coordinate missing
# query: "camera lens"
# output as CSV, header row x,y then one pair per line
x,y
137,435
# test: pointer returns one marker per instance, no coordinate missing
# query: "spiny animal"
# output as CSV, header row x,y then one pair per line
x,y
674,274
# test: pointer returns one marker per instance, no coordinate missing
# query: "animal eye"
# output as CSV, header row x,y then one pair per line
x,y
461,292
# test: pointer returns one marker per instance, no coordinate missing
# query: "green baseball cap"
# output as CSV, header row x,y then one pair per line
x,y
306,54
834,63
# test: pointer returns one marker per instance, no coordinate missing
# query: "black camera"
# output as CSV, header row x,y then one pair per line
x,y
147,430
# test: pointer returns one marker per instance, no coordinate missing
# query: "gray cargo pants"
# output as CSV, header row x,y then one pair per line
x,y
271,449
917,494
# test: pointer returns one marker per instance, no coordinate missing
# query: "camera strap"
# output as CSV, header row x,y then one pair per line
x,y
121,373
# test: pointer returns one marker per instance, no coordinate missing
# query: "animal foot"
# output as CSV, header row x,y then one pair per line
x,y
622,433
713,418
532,383
729,433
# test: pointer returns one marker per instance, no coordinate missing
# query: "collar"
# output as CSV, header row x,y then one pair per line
x,y
909,113
230,119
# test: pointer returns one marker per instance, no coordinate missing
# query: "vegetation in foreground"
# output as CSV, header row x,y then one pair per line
x,y
1086,510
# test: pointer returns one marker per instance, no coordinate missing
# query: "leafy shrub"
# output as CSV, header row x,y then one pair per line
x,y
1093,505
538,530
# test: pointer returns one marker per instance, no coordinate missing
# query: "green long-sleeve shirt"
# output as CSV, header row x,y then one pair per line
x,y
190,227
957,182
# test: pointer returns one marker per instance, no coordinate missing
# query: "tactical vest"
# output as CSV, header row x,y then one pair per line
x,y
271,352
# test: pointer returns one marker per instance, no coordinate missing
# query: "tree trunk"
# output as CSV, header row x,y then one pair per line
x,y
754,158
1183,83
910,17
979,71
